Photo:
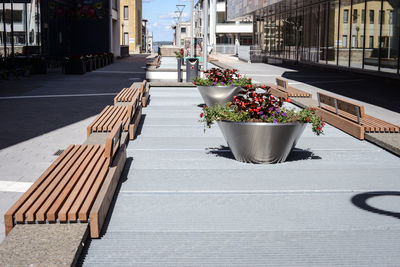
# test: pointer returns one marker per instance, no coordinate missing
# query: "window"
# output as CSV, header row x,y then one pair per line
x,y
362,40
371,17
346,16
126,38
381,17
126,12
344,41
371,42
355,15
353,41
183,30
391,17
363,16
182,41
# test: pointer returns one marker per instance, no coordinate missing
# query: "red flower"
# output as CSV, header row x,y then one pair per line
x,y
201,115
288,100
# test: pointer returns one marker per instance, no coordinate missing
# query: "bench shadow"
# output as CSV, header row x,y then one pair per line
x,y
360,201
123,178
140,127
296,154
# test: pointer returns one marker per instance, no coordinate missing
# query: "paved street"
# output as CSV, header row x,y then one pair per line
x,y
184,201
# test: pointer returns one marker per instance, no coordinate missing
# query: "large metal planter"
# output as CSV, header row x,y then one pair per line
x,y
221,95
260,142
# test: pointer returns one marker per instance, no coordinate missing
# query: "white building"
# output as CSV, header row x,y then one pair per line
x,y
222,34
182,32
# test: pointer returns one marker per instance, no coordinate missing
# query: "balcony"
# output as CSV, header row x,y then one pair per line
x,y
234,28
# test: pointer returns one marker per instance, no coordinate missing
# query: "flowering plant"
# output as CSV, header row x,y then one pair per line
x,y
179,54
220,77
258,105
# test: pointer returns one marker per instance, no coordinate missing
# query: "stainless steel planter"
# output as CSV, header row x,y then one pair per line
x,y
259,142
213,95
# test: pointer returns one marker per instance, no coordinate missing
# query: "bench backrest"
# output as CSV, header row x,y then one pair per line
x,y
282,84
341,104
113,142
143,88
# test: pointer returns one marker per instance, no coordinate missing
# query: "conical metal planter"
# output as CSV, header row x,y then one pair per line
x,y
261,142
221,95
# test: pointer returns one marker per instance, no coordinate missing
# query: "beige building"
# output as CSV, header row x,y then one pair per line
x,y
131,25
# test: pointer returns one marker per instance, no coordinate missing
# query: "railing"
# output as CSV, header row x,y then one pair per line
x,y
225,49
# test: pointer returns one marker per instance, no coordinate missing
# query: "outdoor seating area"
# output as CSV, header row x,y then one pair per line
x,y
79,185
350,117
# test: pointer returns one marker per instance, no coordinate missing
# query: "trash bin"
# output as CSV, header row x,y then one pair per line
x,y
192,69
179,69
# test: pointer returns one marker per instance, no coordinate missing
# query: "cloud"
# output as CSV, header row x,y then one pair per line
x,y
146,1
171,15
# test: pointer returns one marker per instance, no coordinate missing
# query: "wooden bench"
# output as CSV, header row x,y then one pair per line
x,y
282,89
350,117
77,187
145,93
111,115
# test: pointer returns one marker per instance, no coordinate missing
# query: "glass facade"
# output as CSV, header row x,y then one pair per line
x,y
362,34
19,28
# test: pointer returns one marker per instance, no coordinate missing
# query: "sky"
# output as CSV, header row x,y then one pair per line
x,y
160,15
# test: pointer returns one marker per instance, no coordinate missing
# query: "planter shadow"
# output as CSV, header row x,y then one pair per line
x,y
296,154
221,151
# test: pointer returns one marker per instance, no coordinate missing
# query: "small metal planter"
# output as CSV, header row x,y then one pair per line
x,y
221,95
260,142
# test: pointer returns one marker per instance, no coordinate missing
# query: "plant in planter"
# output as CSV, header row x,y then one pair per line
x,y
219,86
75,65
258,129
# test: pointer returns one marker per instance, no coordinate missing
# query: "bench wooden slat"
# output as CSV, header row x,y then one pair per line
x,y
83,213
73,212
283,86
63,213
343,105
40,200
103,125
65,179
91,125
8,217
51,214
19,214
110,125
100,119
122,95
370,124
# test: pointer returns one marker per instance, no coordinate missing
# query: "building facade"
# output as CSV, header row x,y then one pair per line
x,y
361,34
131,25
223,33
182,33
56,29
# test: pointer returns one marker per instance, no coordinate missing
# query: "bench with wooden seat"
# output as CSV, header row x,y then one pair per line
x,y
137,90
350,117
282,89
111,115
77,187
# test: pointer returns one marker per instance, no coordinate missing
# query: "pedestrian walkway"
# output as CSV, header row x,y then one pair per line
x,y
42,114
184,201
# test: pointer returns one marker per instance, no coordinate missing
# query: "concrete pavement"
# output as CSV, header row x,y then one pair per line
x,y
184,201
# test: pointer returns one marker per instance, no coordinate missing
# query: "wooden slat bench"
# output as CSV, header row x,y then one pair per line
x,y
282,88
139,91
111,115
77,187
350,117
145,93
